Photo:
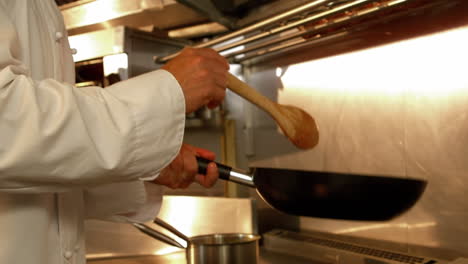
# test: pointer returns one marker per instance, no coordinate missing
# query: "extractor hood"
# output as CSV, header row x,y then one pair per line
x,y
152,15
184,17
271,31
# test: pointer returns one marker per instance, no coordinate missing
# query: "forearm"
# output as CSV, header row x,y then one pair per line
x,y
55,135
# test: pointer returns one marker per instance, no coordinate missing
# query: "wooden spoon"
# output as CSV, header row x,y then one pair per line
x,y
295,123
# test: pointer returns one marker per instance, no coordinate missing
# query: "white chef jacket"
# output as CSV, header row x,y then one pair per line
x,y
70,153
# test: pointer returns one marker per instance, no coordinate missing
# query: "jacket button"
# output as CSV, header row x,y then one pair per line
x,y
68,254
58,35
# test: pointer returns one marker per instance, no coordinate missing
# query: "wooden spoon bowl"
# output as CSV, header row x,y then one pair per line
x,y
296,124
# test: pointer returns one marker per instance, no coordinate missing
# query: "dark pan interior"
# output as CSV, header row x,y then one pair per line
x,y
337,195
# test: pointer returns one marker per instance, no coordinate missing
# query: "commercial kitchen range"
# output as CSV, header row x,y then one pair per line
x,y
385,81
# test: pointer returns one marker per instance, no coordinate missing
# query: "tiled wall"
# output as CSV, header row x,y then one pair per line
x,y
400,109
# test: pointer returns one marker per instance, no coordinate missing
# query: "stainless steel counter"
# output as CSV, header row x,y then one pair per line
x,y
266,257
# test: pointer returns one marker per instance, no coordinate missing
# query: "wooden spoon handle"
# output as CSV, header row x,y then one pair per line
x,y
251,95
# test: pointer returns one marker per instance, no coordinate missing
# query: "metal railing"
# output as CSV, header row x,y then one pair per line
x,y
308,24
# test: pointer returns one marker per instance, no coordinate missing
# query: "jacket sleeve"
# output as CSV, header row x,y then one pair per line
x,y
123,202
54,135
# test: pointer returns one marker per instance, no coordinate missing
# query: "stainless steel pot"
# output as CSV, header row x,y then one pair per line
x,y
226,248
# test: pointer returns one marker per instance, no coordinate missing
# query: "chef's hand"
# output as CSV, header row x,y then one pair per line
x,y
183,169
202,74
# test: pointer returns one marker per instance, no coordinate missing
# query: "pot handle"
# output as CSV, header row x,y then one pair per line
x,y
171,229
157,235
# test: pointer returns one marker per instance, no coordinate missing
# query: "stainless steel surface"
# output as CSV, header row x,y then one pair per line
x,y
416,18
241,177
107,56
205,215
255,26
295,43
322,18
267,22
313,30
170,228
295,24
337,249
266,257
223,239
211,10
405,116
98,44
90,16
395,89
228,248
158,235
206,29
223,249
138,45
191,215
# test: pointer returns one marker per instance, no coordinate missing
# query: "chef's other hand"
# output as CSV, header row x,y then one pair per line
x,y
182,171
202,74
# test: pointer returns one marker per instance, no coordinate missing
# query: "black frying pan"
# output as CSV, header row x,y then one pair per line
x,y
328,195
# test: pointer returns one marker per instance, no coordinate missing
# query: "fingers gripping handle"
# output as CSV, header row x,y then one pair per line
x,y
224,171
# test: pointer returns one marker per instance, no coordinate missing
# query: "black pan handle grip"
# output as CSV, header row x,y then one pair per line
x,y
224,171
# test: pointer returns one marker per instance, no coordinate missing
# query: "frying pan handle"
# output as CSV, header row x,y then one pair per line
x,y
224,170
226,173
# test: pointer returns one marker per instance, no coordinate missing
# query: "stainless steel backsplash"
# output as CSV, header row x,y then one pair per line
x,y
399,109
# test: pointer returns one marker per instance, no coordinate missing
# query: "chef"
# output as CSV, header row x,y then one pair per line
x,y
67,153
